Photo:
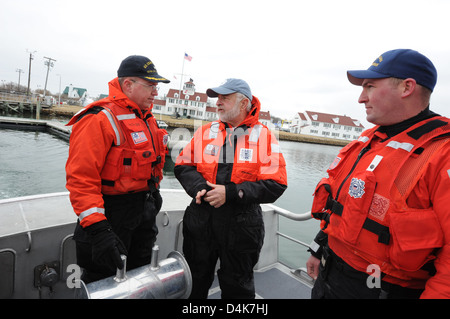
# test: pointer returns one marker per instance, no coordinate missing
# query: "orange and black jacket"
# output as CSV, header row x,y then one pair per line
x,y
114,149
386,202
246,158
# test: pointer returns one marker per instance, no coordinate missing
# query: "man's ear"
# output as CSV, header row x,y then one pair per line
x,y
408,87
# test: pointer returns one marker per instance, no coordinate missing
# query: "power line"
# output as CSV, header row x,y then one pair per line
x,y
49,64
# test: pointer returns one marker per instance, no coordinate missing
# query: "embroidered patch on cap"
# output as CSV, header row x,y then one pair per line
x,y
356,189
138,137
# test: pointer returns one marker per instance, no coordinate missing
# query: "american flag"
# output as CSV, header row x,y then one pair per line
x,y
187,57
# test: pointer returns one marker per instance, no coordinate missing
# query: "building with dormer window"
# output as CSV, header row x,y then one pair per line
x,y
326,125
186,103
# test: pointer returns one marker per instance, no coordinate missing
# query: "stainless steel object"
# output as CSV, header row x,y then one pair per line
x,y
169,279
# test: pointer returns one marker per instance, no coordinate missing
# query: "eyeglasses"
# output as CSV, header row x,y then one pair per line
x,y
151,87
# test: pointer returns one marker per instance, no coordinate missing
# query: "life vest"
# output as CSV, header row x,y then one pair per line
x,y
136,159
363,202
256,151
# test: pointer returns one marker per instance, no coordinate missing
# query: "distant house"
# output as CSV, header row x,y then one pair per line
x,y
211,113
326,125
75,93
186,103
266,119
158,105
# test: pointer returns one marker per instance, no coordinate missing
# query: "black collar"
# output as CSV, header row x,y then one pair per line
x,y
392,130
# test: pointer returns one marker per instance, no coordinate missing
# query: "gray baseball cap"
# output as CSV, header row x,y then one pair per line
x,y
229,87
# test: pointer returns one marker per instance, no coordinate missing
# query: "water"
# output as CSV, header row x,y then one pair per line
x,y
34,163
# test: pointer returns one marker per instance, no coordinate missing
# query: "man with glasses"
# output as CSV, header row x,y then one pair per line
x,y
116,157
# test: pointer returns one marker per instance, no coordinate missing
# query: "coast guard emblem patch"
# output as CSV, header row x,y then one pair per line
x,y
356,188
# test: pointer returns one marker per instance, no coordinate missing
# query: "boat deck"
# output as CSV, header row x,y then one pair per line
x,y
36,233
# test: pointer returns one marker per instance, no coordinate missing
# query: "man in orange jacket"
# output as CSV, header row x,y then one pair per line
x,y
229,168
385,205
116,157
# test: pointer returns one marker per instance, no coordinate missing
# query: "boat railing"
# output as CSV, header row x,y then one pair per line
x,y
293,216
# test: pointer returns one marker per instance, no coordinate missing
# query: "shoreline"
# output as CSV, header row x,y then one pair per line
x,y
70,110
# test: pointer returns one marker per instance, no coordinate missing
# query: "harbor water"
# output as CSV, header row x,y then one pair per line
x,y
34,163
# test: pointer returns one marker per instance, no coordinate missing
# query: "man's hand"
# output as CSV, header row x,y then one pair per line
x,y
216,196
312,267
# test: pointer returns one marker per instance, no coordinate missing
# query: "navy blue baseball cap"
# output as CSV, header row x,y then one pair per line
x,y
400,63
140,66
231,86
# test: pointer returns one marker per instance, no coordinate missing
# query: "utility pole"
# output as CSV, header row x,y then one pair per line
x,y
29,71
49,64
18,84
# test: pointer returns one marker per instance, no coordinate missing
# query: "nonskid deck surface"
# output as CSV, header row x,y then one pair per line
x,y
272,283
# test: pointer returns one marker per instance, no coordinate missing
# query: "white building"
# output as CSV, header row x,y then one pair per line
x,y
326,125
266,119
75,93
186,103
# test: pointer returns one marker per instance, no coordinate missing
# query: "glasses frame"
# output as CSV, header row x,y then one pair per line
x,y
152,87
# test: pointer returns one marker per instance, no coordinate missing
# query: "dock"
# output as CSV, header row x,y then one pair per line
x,y
67,111
53,127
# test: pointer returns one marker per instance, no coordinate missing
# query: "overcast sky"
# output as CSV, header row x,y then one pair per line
x,y
293,53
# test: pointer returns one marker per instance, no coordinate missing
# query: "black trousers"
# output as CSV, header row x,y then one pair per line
x,y
338,280
132,218
235,238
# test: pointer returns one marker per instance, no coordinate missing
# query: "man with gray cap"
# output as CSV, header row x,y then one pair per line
x,y
116,157
385,205
230,167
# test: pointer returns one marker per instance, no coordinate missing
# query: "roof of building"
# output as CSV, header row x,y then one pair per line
x,y
203,96
333,119
80,91
159,102
264,115
302,116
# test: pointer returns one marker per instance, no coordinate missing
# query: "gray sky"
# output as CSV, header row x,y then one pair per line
x,y
293,53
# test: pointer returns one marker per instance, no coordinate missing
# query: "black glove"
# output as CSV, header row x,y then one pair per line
x,y
106,246
158,200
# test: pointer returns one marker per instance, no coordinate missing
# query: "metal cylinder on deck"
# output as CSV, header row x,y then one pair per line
x,y
169,279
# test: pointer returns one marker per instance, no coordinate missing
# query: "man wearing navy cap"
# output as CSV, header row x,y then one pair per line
x,y
116,157
229,168
385,205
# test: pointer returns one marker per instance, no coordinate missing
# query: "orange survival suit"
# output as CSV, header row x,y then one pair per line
x,y
122,151
247,161
386,203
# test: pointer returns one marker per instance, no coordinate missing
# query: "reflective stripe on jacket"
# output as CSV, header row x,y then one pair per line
x,y
366,205
114,149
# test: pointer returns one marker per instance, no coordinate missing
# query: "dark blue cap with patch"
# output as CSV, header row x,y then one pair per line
x,y
400,63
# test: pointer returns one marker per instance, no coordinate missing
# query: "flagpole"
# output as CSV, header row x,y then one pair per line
x,y
181,81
